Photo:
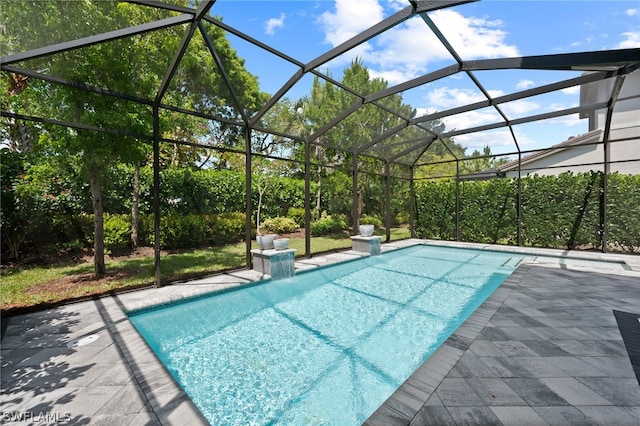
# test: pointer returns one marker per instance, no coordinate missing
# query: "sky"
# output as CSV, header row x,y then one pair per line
x,y
305,29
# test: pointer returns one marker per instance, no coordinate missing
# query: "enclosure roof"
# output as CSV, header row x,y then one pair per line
x,y
405,138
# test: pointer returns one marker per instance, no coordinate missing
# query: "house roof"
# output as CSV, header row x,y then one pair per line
x,y
583,139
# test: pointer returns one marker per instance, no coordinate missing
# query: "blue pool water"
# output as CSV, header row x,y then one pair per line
x,y
327,346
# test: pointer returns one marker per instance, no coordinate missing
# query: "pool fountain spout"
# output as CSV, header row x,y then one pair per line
x,y
276,263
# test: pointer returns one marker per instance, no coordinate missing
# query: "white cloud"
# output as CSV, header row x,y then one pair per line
x,y
524,84
493,138
565,120
406,51
397,4
571,90
446,97
274,23
473,37
500,139
412,47
557,106
519,108
349,19
471,119
424,111
388,75
631,12
587,40
631,40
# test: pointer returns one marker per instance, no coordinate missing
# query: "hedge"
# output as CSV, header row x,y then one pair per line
x,y
328,224
49,208
280,225
117,232
557,211
624,217
193,230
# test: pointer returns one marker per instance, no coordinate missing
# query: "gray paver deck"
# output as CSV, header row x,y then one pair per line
x,y
543,349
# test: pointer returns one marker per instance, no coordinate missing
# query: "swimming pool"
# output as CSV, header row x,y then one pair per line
x,y
327,346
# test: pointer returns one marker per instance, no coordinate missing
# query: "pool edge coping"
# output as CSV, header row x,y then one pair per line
x,y
403,405
246,277
429,375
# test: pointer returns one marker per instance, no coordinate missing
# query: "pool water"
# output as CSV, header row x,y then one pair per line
x,y
327,346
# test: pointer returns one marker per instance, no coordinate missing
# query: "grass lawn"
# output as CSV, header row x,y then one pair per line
x,y
30,286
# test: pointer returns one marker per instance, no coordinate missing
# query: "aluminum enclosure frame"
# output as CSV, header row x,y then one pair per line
x,y
407,154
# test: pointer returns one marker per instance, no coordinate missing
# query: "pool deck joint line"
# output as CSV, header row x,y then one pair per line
x,y
544,348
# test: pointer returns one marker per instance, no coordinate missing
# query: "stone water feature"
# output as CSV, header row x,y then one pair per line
x,y
277,263
366,242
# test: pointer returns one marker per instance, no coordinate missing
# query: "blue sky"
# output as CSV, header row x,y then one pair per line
x,y
305,29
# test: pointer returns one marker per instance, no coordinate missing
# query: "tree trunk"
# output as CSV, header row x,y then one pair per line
x,y
260,194
98,228
319,193
318,196
361,192
14,241
135,213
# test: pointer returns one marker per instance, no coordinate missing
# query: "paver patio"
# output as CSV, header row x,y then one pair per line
x,y
545,348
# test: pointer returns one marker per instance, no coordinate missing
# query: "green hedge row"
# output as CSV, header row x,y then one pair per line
x,y
557,211
207,191
193,230
176,231
328,224
47,207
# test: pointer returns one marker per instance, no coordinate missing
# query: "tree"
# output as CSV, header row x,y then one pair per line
x,y
479,162
316,109
134,66
338,146
14,216
441,158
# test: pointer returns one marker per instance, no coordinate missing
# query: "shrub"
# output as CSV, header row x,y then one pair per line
x,y
145,230
624,222
337,193
191,231
226,228
561,211
328,224
297,215
488,211
436,210
117,232
62,233
280,225
209,191
557,211
182,231
83,223
285,193
371,220
402,218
